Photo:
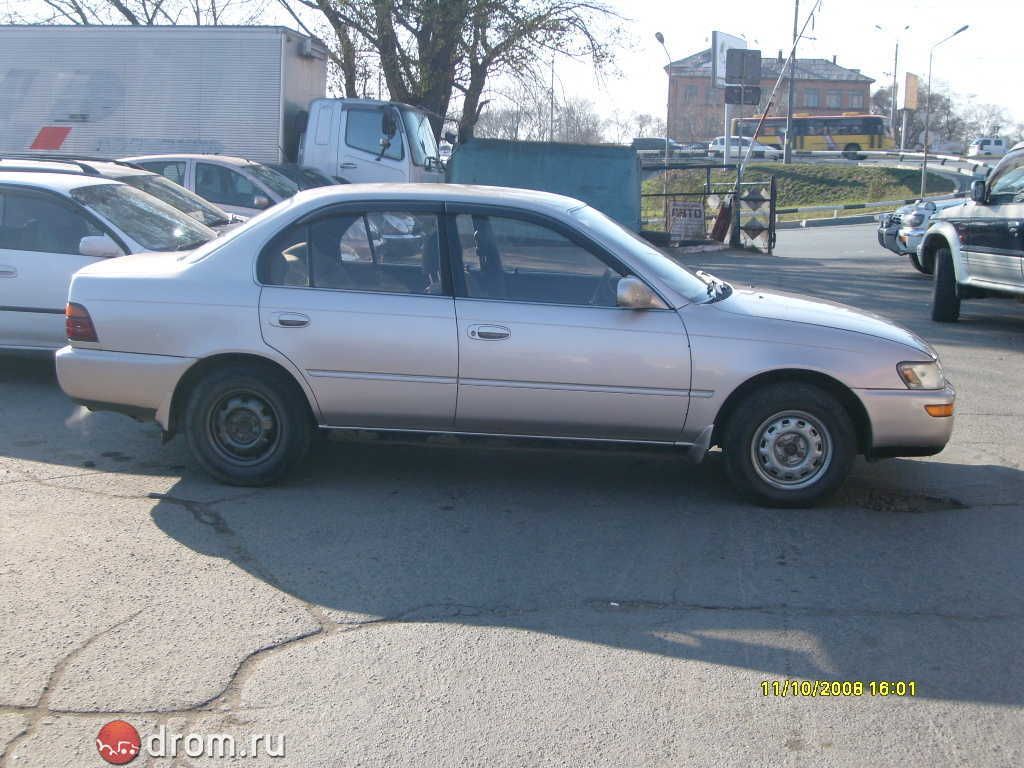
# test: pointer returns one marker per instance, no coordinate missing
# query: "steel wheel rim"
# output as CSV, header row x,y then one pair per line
x,y
791,450
244,427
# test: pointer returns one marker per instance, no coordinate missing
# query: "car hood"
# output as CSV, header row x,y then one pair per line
x,y
791,307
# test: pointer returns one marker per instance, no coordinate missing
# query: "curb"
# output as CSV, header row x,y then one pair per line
x,y
863,218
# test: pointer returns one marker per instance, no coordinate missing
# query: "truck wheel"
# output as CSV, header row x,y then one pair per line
x,y
247,426
789,445
852,152
926,268
945,299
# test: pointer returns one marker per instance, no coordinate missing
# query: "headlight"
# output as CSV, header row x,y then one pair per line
x,y
916,219
922,375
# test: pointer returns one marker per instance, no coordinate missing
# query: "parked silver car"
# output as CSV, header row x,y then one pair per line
x,y
903,230
519,313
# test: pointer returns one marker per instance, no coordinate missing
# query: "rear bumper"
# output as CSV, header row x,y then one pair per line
x,y
138,385
900,425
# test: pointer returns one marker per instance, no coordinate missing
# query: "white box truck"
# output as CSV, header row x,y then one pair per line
x,y
116,91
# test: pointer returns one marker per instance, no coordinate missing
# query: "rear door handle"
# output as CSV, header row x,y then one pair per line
x,y
289,320
6,271
489,332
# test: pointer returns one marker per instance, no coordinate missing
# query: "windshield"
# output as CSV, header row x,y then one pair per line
x,y
151,223
421,136
178,197
643,253
279,184
1009,177
306,178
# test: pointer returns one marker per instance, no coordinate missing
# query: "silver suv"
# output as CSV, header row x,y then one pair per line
x,y
978,247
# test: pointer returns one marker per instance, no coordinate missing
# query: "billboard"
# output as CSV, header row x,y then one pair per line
x,y
721,43
911,92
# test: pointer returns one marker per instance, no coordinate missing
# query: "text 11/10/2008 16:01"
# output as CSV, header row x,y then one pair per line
x,y
814,688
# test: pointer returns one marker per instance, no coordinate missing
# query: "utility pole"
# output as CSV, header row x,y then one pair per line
x,y
892,94
668,112
551,104
787,151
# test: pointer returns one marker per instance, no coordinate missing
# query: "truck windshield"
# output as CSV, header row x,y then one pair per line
x,y
164,189
421,136
151,223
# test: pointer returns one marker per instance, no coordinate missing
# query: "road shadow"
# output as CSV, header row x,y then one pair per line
x,y
896,579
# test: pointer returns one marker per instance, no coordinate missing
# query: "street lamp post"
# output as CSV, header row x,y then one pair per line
x,y
928,107
787,150
895,69
668,111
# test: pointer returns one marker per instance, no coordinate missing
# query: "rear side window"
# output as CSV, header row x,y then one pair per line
x,y
222,185
172,169
36,223
285,260
363,131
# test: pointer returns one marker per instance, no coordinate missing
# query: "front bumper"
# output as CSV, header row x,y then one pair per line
x,y
138,385
909,239
900,425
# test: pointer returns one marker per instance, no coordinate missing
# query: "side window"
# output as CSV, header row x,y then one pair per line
x,y
362,131
1008,178
36,223
223,185
173,170
515,260
285,259
386,252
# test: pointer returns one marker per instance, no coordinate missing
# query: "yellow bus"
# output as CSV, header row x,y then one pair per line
x,y
849,133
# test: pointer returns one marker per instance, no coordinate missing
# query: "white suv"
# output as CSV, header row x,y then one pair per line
x,y
740,145
53,223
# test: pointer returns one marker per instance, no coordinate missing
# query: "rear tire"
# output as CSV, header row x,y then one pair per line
x,y
246,425
852,152
945,297
789,445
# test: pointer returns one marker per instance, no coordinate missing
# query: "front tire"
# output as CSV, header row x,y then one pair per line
x,y
945,299
789,445
925,268
852,152
246,425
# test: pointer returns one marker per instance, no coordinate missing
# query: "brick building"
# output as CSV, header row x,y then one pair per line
x,y
822,87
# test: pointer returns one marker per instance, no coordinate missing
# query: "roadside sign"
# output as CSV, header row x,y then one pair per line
x,y
721,44
743,94
911,91
743,67
686,221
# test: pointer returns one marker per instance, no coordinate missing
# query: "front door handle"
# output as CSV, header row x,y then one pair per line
x,y
347,165
7,271
489,332
289,320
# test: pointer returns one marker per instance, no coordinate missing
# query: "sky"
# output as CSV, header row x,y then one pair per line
x,y
983,61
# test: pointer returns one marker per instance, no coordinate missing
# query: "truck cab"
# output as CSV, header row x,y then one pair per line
x,y
361,140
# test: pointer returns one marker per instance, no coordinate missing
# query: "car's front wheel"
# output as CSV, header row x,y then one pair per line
x,y
789,444
945,299
925,268
246,425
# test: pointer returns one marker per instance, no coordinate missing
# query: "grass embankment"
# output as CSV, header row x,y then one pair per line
x,y
806,184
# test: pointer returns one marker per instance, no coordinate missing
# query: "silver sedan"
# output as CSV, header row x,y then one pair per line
x,y
504,312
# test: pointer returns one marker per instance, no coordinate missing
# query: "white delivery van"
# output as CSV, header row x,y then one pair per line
x,y
987,146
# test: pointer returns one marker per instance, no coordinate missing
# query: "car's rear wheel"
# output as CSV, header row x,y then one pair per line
x,y
246,425
925,268
789,444
945,299
852,151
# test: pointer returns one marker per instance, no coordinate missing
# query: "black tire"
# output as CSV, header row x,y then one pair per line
x,y
247,425
852,152
926,268
945,297
770,422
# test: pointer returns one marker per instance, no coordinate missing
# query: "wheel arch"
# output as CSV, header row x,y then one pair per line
x,y
944,236
202,367
854,407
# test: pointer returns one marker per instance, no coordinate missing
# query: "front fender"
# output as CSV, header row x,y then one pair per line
x,y
942,234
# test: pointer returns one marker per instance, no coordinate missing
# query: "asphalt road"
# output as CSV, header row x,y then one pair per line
x,y
444,605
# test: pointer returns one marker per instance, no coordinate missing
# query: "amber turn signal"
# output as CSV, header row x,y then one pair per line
x,y
944,409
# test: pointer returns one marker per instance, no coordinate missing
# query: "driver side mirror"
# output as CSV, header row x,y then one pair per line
x,y
978,192
261,201
388,124
451,138
99,247
632,293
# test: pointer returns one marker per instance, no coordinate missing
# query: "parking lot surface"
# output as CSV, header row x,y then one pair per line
x,y
441,604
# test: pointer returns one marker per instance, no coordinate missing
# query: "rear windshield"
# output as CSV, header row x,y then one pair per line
x,y
151,223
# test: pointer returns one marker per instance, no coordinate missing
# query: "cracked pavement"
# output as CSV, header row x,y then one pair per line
x,y
410,603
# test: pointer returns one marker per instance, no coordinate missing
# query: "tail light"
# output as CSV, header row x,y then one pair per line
x,y
79,324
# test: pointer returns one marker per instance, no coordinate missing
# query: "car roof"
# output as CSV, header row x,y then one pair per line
x,y
222,159
55,182
444,193
72,165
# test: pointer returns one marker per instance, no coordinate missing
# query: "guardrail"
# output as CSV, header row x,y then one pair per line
x,y
862,206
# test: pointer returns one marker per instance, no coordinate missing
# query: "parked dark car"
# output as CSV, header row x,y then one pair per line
x,y
305,177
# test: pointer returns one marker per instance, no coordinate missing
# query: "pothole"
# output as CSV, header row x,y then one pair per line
x,y
883,500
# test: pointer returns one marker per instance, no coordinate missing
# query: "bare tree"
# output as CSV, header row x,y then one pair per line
x,y
137,12
436,53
